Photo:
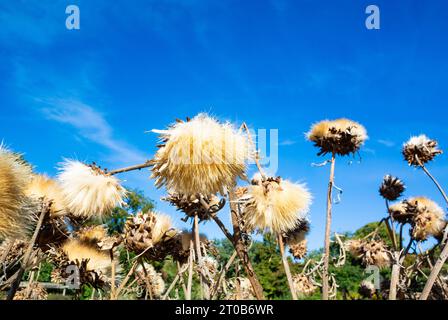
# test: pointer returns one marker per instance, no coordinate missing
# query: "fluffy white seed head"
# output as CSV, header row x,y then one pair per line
x,y
200,156
276,205
89,192
15,216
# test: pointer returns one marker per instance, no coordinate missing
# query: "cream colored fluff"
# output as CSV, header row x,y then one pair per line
x,y
15,219
42,186
200,156
89,193
276,206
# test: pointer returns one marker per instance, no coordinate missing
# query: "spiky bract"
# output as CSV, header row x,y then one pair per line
x,y
391,188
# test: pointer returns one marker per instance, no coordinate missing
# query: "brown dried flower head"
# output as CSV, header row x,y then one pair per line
x,y
420,150
373,252
150,233
391,188
341,136
428,218
303,285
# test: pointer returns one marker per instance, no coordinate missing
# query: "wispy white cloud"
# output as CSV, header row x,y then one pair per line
x,y
287,142
91,125
386,143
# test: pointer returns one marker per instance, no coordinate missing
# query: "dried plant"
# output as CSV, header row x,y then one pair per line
x,y
148,278
150,234
200,156
276,205
391,188
367,289
240,289
34,292
419,150
15,218
340,137
191,205
89,191
296,240
303,285
428,218
373,252
42,187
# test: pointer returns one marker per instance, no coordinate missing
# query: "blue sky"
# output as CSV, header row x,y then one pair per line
x,y
133,66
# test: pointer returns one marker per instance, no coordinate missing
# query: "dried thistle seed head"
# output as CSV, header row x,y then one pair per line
x,y
211,265
240,289
299,249
391,188
428,219
354,247
92,233
88,191
191,205
200,156
42,187
341,136
35,292
303,285
150,279
96,260
420,149
15,217
276,205
399,213
375,253
296,241
150,233
367,289
12,251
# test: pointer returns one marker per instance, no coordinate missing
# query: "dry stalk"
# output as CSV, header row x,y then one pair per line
x,y
286,267
325,284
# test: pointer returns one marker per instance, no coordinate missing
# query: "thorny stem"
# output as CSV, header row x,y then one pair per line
x,y
45,209
325,285
286,267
